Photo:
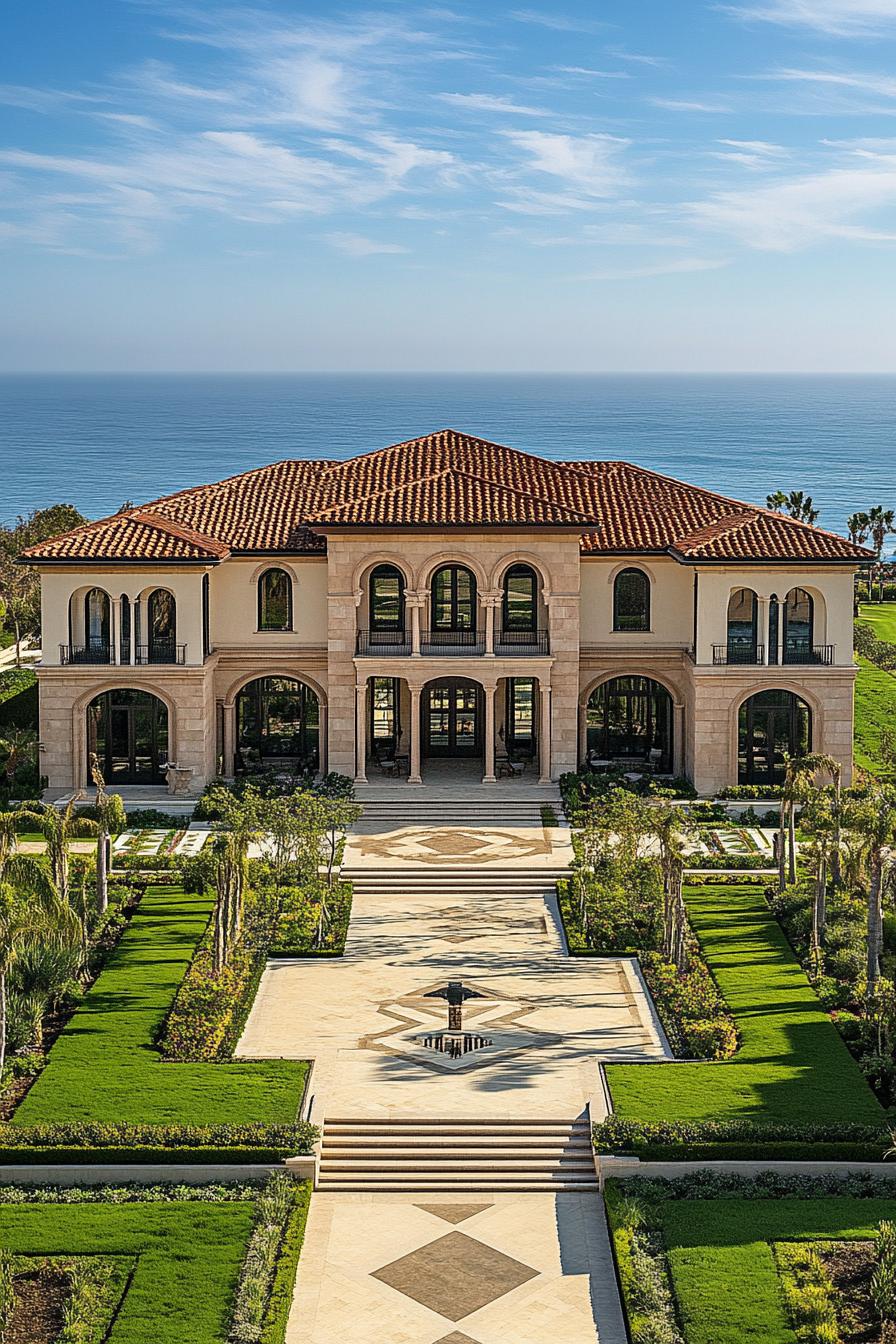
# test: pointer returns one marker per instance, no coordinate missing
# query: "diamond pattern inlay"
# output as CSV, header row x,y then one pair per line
x,y
454,1213
455,1338
455,1275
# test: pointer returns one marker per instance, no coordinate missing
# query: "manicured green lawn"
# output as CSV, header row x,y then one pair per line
x,y
104,1068
721,1261
875,710
791,1068
187,1259
881,616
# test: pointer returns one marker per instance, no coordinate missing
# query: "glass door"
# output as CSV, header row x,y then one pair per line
x,y
451,719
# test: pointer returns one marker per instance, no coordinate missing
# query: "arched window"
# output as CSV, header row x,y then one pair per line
x,y
278,721
630,718
128,732
387,600
772,725
206,619
742,615
453,599
275,600
520,602
799,619
161,628
124,634
631,600
96,627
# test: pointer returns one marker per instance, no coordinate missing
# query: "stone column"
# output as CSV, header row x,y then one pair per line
x,y
322,743
762,627
414,602
583,733
544,745
489,772
415,776
782,608
678,738
115,629
361,734
229,744
490,603
135,613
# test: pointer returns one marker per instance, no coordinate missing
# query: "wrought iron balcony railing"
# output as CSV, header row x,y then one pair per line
x,y
802,652
732,654
521,642
450,643
382,643
94,651
161,651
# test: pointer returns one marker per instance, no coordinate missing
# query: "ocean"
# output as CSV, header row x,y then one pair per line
x,y
97,441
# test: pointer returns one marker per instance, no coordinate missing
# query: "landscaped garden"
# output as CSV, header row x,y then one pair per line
x,y
717,1259
152,1265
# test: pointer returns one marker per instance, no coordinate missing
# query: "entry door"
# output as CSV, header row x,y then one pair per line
x,y
452,719
768,742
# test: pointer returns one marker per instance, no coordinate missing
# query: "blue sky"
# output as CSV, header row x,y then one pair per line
x,y
628,185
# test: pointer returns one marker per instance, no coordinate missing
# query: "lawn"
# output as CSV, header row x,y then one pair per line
x,y
791,1068
881,616
875,710
104,1068
187,1259
720,1258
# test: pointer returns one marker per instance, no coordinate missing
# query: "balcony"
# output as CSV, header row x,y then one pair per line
x,y
738,655
803,653
161,652
382,644
452,643
95,651
522,643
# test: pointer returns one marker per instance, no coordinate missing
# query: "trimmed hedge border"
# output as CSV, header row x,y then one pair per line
x,y
739,1140
283,1287
154,1143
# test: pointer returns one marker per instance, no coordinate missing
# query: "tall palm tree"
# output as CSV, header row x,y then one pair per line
x,y
881,524
874,818
110,817
857,525
801,506
777,501
58,829
18,746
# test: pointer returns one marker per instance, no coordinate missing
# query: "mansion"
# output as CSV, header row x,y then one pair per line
x,y
444,598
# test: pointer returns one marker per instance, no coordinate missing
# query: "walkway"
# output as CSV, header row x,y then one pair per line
x,y
449,1210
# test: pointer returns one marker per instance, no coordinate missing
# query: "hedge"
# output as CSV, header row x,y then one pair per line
x,y
741,1140
18,698
154,1143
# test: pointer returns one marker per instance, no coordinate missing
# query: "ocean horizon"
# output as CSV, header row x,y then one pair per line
x,y
100,440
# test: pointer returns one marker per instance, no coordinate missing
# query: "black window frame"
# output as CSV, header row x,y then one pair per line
x,y
518,572
263,625
643,618
377,623
454,601
102,643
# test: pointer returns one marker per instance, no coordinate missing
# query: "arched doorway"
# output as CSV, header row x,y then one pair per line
x,y
630,719
128,732
771,725
452,718
278,723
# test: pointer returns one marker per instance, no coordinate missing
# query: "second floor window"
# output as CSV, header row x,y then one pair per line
x,y
453,599
386,599
275,600
96,621
520,606
631,600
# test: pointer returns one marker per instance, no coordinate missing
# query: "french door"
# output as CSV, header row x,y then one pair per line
x,y
452,718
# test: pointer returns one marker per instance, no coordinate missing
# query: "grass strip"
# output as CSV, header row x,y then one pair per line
x,y
792,1068
104,1068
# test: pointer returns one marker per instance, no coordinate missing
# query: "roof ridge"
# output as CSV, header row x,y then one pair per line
x,y
727,523
175,528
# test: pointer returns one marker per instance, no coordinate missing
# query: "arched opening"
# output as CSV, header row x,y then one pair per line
x,y
96,647
519,607
124,639
128,732
452,608
278,723
452,718
799,622
161,628
629,719
275,600
771,726
742,627
386,604
631,600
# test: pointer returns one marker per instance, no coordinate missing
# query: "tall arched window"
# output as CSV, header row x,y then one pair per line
x,y
799,620
275,600
520,601
124,634
772,725
278,721
453,599
386,600
742,615
630,718
96,627
128,732
631,600
161,627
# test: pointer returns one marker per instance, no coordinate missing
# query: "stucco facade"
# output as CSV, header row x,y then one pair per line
x,y
645,642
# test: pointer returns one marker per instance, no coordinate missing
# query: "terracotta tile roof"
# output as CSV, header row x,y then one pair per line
x,y
446,479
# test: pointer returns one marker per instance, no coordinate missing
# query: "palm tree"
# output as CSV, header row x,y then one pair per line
x,y
670,826
19,746
801,507
857,525
874,818
110,815
777,501
880,525
58,829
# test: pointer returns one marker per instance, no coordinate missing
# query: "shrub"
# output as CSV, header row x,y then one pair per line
x,y
883,1277
682,1140
30,1143
18,698
809,1294
299,923
743,791
151,819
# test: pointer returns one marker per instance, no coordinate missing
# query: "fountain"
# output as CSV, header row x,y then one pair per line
x,y
455,1042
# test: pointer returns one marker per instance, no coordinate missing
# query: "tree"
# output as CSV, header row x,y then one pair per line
x,y
874,819
880,526
18,746
20,583
857,525
670,826
111,819
59,829
801,507
777,501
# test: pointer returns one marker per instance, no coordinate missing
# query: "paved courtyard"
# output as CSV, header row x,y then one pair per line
x,y
444,1269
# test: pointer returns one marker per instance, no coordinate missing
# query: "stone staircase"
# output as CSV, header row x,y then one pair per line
x,y
511,804
457,1155
440,880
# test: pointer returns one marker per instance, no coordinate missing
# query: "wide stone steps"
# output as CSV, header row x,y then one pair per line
x,y
456,1155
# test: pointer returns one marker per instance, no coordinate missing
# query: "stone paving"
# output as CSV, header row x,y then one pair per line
x,y
444,1269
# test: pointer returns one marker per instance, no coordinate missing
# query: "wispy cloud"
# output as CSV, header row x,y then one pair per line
x,y
673,266
839,18
488,102
559,23
356,245
637,57
587,71
750,153
684,105
865,81
592,164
